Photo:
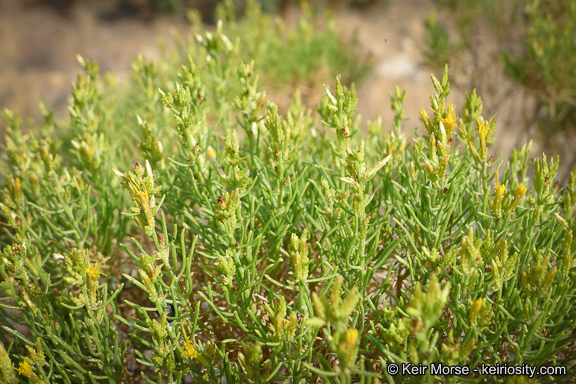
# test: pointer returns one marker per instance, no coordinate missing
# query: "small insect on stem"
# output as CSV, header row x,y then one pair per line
x,y
170,309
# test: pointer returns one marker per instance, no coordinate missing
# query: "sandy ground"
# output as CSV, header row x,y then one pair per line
x,y
39,46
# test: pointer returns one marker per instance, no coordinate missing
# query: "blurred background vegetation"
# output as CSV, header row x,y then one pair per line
x,y
531,44
519,54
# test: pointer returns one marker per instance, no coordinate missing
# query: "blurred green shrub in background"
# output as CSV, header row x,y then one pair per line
x,y
536,48
310,53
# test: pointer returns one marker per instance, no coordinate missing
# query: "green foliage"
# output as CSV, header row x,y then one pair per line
x,y
170,5
547,64
276,5
439,47
300,56
535,46
298,250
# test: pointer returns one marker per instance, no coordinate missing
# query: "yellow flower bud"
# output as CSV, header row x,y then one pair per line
x,y
426,120
520,192
449,121
483,129
496,204
351,338
475,310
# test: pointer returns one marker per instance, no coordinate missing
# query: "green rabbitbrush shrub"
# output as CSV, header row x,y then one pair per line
x,y
305,251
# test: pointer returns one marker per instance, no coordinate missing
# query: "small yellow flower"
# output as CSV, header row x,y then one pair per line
x,y
93,271
351,338
189,350
496,204
483,131
520,192
500,189
24,368
449,121
347,350
483,127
